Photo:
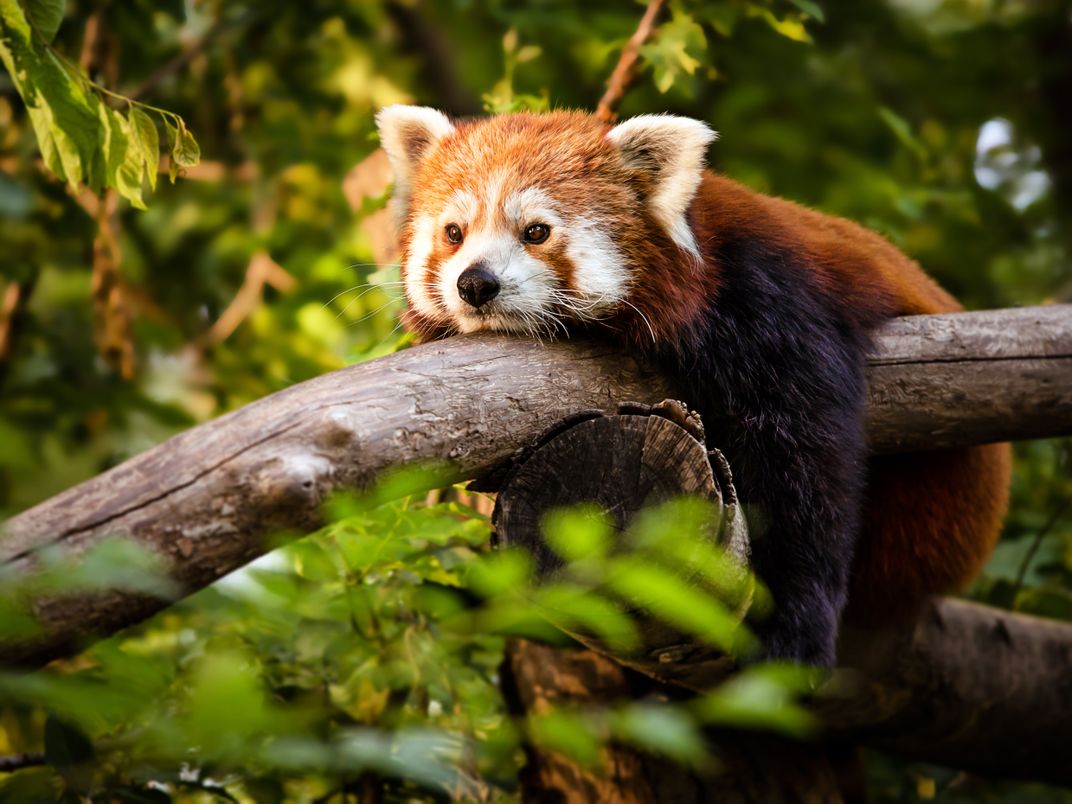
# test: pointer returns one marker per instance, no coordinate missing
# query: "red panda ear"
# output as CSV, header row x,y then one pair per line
x,y
407,133
668,154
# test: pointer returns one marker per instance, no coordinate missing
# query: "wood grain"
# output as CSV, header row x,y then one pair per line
x,y
209,499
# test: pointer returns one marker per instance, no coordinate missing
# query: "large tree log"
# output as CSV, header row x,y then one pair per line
x,y
208,498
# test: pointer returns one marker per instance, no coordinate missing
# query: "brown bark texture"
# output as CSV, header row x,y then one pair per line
x,y
209,499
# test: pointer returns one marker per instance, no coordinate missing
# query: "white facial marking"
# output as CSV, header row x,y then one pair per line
x,y
527,283
460,208
531,205
417,286
599,274
493,191
531,297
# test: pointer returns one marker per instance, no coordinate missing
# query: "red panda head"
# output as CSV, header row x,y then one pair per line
x,y
533,222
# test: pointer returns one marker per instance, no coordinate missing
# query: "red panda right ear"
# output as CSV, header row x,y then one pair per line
x,y
407,133
667,153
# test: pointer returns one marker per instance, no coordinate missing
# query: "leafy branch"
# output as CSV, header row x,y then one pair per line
x,y
81,138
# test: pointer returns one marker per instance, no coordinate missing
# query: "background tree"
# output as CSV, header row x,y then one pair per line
x,y
942,124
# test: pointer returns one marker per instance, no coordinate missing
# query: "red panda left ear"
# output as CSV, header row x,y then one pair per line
x,y
669,154
407,134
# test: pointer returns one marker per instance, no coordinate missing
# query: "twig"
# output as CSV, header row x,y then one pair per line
x,y
14,762
115,340
623,72
262,270
1045,529
12,304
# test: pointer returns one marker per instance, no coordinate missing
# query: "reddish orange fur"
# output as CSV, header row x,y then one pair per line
x,y
930,519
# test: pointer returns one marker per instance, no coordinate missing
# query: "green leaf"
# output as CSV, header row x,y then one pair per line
x,y
186,152
172,135
149,138
81,138
62,116
671,53
902,130
570,733
688,608
722,17
790,26
810,8
65,746
662,729
131,170
763,697
578,533
46,16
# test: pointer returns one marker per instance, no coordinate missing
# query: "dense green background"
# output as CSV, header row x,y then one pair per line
x,y
942,123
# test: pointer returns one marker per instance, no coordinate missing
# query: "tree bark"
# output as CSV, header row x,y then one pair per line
x,y
208,499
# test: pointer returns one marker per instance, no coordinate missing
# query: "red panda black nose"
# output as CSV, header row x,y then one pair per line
x,y
477,285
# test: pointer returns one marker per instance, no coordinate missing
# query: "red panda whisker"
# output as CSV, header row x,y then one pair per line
x,y
370,285
582,312
369,315
643,318
392,300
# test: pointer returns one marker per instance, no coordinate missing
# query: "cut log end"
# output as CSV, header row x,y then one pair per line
x,y
624,464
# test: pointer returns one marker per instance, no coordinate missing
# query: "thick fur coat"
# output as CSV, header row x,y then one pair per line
x,y
761,310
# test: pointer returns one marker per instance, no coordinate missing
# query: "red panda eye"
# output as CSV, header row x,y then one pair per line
x,y
454,233
536,233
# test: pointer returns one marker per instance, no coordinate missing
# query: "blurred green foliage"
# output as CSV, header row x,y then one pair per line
x,y
371,651
941,123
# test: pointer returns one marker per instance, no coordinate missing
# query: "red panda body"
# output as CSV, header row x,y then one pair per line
x,y
760,310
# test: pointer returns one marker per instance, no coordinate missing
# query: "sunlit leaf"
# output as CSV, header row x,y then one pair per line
x,y
791,27
763,697
46,16
676,49
149,139
59,111
811,8
185,152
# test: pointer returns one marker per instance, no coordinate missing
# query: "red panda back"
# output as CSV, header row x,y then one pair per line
x,y
853,263
930,519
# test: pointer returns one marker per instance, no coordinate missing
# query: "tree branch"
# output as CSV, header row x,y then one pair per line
x,y
14,762
623,73
966,686
209,499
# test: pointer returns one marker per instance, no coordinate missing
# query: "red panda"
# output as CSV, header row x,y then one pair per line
x,y
758,308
